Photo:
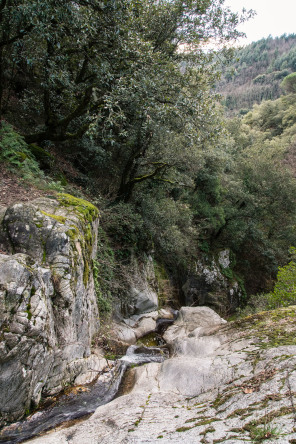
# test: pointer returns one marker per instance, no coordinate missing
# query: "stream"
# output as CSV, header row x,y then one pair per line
x,y
72,407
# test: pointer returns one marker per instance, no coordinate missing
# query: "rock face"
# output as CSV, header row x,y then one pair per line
x,y
212,284
225,383
48,309
131,329
141,294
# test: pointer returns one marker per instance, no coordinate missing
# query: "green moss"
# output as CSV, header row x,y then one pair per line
x,y
85,273
39,153
190,420
164,290
227,272
206,421
138,422
28,311
86,212
82,207
270,328
208,430
184,429
263,420
73,233
220,400
242,413
60,219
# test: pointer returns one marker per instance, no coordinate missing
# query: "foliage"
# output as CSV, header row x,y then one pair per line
x,y
284,292
110,72
264,433
289,83
259,191
124,91
16,153
125,226
168,220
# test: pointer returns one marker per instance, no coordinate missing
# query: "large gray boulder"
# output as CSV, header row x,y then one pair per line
x,y
48,308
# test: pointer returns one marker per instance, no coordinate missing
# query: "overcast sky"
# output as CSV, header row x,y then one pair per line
x,y
273,17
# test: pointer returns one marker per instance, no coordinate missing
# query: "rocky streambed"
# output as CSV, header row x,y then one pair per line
x,y
224,382
81,401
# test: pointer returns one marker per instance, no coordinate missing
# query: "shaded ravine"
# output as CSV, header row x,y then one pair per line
x,y
74,407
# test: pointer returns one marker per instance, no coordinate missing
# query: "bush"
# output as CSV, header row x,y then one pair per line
x,y
285,289
16,153
126,228
284,292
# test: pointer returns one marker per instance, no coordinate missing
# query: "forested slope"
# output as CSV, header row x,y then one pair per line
x,y
256,72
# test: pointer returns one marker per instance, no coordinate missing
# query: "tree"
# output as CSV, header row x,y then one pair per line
x,y
121,72
166,92
289,83
59,65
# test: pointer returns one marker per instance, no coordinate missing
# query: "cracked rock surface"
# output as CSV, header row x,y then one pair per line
x,y
225,383
48,309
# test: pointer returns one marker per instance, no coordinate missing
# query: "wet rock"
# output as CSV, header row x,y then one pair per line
x,y
131,329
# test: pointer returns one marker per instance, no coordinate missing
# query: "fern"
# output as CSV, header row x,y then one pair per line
x,y
15,152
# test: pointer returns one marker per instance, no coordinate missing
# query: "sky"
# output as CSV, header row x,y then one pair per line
x,y
273,17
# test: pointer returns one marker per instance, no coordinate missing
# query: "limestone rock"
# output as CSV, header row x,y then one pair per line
x,y
142,293
131,329
48,309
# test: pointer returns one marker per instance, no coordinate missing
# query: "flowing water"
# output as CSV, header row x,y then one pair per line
x,y
79,405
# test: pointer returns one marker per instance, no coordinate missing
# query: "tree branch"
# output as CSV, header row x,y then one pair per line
x,y
150,175
18,36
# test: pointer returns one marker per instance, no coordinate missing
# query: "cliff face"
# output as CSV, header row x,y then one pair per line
x,y
48,309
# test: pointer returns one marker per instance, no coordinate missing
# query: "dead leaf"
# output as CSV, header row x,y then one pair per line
x,y
248,390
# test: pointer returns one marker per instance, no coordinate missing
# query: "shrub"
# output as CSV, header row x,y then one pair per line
x,y
126,229
16,153
285,288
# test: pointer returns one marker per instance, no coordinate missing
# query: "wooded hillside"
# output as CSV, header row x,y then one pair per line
x,y
257,72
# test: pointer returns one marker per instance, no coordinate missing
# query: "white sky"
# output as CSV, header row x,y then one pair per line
x,y
274,17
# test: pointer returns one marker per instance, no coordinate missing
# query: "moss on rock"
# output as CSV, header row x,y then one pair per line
x,y
270,328
60,219
82,207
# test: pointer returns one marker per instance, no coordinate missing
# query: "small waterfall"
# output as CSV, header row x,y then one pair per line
x,y
73,407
